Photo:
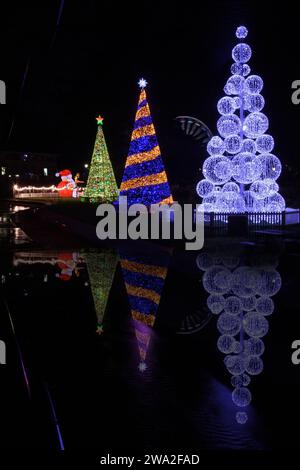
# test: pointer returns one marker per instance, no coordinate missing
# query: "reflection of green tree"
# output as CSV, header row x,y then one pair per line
x,y
101,269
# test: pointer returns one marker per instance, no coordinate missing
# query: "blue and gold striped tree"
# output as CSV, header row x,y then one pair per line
x,y
145,180
144,277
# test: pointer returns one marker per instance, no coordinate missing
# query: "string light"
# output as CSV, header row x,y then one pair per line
x,y
101,185
241,154
144,282
145,180
35,188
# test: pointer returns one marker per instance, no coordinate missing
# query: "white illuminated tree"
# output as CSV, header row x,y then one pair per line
x,y
240,173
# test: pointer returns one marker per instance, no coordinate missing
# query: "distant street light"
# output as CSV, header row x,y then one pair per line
x,y
86,165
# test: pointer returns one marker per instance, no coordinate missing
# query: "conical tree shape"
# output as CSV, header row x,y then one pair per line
x,y
101,269
144,280
241,170
101,185
145,180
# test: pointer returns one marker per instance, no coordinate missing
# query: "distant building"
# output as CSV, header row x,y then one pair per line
x,y
26,169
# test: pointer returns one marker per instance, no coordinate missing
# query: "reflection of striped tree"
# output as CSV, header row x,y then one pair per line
x,y
144,283
101,268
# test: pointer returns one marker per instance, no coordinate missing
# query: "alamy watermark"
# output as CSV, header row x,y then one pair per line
x,y
157,222
296,354
2,352
2,92
296,94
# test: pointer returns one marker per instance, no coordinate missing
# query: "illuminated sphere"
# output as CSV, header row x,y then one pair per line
x,y
241,32
223,169
240,380
235,84
215,303
216,146
254,365
235,364
241,53
245,70
244,282
265,306
212,280
253,84
254,347
228,125
269,283
241,417
223,278
255,103
246,168
265,143
249,146
273,186
236,69
275,203
233,143
217,169
228,89
204,261
246,276
259,189
249,303
225,344
226,105
233,305
270,164
255,325
255,125
231,190
229,324
204,188
241,396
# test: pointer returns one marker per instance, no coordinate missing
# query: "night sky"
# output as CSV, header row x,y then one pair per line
x,y
91,62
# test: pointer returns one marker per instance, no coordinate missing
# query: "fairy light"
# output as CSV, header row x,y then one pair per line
x,y
145,180
240,154
144,284
101,185
35,188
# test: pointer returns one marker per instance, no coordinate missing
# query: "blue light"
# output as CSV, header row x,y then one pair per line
x,y
241,155
241,32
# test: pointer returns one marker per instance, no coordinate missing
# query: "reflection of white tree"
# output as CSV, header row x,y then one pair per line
x,y
241,296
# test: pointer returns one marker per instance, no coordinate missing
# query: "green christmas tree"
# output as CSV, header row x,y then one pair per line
x,y
101,185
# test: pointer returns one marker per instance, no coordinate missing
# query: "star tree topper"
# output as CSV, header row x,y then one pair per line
x,y
99,120
142,83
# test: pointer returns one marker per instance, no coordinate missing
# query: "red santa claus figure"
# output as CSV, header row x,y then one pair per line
x,y
67,186
67,263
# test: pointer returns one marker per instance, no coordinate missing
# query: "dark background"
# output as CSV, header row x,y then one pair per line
x,y
64,62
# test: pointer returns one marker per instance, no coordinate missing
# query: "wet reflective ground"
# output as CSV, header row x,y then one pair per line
x,y
137,351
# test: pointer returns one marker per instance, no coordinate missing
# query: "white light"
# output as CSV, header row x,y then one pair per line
x,y
142,366
142,83
86,165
